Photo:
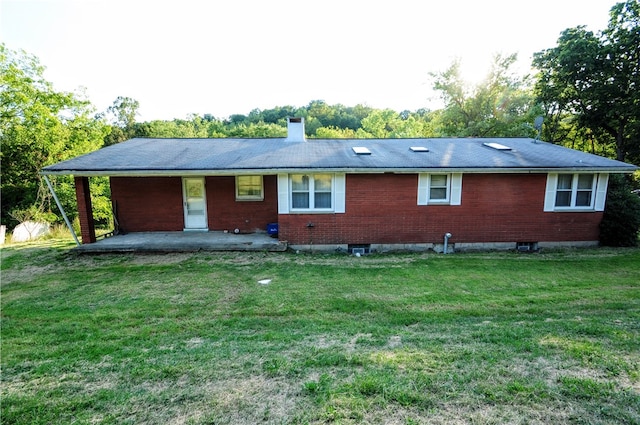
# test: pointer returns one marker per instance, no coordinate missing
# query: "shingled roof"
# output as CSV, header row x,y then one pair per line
x,y
149,156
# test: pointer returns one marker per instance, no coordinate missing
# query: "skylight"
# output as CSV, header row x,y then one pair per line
x,y
497,146
419,149
361,150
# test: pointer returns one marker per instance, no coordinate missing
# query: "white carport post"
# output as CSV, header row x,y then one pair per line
x,y
64,215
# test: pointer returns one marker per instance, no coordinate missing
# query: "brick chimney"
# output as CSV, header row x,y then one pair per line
x,y
295,130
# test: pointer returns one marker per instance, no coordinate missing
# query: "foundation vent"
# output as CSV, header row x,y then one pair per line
x,y
526,246
359,249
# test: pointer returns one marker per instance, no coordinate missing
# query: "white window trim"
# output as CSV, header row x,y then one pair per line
x,y
598,197
283,194
311,193
338,195
454,189
250,197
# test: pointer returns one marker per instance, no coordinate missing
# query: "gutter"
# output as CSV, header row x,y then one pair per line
x,y
274,171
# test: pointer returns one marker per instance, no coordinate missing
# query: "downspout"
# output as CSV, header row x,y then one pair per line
x,y
446,243
64,215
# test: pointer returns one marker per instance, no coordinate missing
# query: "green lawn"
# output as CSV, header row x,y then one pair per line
x,y
478,338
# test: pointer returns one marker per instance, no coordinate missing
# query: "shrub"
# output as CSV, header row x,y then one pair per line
x,y
32,213
621,221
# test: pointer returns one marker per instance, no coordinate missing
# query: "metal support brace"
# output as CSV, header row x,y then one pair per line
x,y
64,215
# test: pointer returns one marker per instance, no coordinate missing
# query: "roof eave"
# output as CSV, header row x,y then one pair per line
x,y
413,170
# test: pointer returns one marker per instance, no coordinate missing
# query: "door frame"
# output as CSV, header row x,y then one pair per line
x,y
205,228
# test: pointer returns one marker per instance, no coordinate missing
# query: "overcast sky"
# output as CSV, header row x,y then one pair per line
x,y
229,57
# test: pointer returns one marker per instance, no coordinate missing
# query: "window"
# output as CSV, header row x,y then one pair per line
x,y
439,188
443,189
312,192
249,188
576,192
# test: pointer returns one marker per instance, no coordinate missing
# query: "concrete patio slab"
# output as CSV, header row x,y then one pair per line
x,y
184,242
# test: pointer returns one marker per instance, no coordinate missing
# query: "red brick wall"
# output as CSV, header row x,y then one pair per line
x,y
380,209
495,208
225,213
85,210
147,204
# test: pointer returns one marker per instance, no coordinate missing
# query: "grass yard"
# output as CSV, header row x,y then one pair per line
x,y
478,338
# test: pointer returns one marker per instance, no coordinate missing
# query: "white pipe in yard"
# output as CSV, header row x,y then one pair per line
x,y
64,215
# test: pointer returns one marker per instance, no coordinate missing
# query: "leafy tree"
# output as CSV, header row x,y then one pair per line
x,y
621,220
317,114
38,126
236,119
595,80
320,114
259,129
271,116
499,106
123,112
335,133
195,126
158,129
387,123
121,116
216,128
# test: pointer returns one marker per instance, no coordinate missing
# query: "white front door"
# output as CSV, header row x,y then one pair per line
x,y
195,203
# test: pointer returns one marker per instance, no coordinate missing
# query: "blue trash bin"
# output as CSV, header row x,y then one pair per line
x,y
272,229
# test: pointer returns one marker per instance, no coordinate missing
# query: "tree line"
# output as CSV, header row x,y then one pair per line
x,y
586,88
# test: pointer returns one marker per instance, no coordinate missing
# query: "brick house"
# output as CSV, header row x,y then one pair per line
x,y
354,193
